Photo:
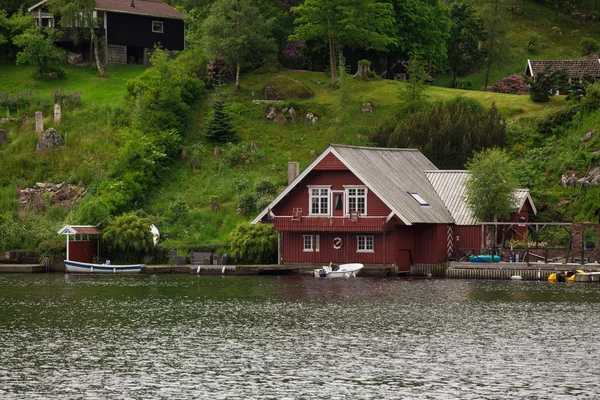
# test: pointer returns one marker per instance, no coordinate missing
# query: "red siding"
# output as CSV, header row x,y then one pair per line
x,y
337,179
293,249
330,162
82,250
431,243
470,237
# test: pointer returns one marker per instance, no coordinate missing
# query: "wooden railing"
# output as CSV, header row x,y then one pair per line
x,y
332,224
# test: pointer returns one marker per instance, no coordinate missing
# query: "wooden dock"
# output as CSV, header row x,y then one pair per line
x,y
22,268
526,271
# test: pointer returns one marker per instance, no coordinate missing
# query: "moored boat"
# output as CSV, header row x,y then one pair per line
x,y
338,271
564,276
89,268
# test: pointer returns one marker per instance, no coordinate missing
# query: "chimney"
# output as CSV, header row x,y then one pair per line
x,y
293,171
132,3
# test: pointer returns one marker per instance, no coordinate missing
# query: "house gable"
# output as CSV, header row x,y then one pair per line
x,y
392,175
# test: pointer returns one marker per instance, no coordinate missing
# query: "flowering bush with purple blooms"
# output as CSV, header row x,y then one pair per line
x,y
216,71
513,84
294,54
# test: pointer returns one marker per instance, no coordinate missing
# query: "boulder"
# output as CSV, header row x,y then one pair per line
x,y
366,108
312,118
271,112
587,137
49,140
284,88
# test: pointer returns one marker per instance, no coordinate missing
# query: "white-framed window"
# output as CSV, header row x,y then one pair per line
x,y
356,200
157,26
311,243
364,244
319,200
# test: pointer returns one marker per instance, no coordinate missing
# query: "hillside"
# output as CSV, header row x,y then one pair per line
x,y
96,128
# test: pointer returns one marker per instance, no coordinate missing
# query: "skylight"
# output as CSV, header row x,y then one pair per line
x,y
418,198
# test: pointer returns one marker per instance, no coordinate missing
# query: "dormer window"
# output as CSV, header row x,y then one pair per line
x,y
419,199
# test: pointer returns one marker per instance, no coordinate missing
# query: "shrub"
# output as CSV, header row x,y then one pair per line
x,y
513,84
448,134
589,45
92,211
163,94
255,244
53,248
265,187
178,210
38,49
247,204
128,237
545,83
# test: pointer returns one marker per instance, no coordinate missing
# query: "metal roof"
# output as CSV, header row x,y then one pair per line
x,y
450,185
392,175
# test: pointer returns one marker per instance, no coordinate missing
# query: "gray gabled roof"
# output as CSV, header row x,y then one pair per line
x,y
450,185
391,174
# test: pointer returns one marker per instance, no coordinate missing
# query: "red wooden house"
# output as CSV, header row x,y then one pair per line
x,y
375,206
82,242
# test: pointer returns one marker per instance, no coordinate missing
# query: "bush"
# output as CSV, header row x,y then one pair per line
x,y
54,248
92,211
448,134
163,94
545,83
513,84
247,204
178,210
254,244
265,187
589,45
128,237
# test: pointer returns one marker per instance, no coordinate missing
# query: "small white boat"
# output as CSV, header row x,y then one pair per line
x,y
338,271
88,268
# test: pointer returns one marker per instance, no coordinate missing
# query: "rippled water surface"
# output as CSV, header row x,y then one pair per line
x,y
219,337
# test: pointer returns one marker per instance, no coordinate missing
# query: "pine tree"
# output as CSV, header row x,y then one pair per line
x,y
220,128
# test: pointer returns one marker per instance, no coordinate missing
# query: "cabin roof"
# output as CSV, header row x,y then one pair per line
x,y
151,8
80,230
574,68
450,185
393,175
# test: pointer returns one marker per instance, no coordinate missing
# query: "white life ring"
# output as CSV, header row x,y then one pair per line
x,y
338,243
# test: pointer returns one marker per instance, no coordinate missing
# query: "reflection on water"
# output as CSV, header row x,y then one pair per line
x,y
213,337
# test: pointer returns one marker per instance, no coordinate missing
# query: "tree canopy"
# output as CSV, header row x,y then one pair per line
x,y
237,31
364,24
79,13
491,185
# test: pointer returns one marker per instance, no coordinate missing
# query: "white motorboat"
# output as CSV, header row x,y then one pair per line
x,y
338,271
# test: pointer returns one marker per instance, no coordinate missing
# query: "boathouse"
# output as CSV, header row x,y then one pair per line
x,y
375,206
83,242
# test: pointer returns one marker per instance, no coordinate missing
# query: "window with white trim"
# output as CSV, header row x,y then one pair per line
x,y
311,243
157,26
364,244
319,201
357,200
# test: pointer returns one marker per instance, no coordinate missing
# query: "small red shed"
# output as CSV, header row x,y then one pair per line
x,y
375,206
83,242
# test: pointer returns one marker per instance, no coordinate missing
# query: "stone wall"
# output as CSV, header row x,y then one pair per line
x,y
116,54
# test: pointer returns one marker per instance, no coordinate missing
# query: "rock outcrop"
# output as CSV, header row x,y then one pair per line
x,y
286,88
49,140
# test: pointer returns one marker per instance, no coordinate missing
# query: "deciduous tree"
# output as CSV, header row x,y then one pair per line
x,y
491,185
364,24
236,30
79,16
466,33
38,49
129,237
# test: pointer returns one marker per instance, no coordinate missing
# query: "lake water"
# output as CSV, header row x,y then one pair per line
x,y
223,337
